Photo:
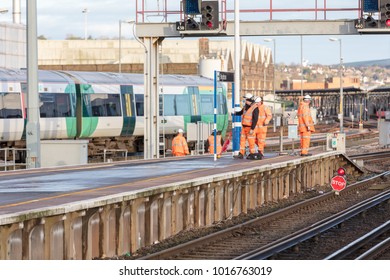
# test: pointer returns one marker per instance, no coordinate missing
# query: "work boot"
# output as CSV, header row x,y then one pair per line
x,y
305,155
251,156
239,156
259,155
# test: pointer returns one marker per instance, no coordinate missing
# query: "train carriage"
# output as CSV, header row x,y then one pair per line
x,y
106,108
57,95
105,104
11,114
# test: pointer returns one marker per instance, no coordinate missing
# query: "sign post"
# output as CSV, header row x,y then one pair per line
x,y
229,78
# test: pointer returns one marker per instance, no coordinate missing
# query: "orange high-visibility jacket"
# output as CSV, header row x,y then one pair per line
x,y
265,116
247,115
211,144
179,146
304,118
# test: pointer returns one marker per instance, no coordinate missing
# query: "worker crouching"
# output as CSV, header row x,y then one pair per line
x,y
179,145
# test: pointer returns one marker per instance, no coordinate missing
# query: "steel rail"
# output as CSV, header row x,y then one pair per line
x,y
307,233
359,242
220,235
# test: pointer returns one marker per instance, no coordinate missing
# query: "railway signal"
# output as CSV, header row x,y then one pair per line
x,y
341,171
376,17
338,182
210,13
385,13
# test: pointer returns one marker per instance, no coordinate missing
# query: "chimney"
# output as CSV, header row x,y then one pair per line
x,y
204,47
16,11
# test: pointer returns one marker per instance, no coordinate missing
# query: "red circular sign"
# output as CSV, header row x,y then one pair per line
x,y
338,183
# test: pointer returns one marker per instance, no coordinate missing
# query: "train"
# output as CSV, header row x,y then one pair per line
x,y
105,108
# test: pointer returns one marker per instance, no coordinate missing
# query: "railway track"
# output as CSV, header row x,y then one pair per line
x,y
237,241
331,235
371,156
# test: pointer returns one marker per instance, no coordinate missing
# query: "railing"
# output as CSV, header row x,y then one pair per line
x,y
11,164
271,10
114,152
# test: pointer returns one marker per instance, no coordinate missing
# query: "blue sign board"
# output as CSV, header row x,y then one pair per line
x,y
192,7
370,6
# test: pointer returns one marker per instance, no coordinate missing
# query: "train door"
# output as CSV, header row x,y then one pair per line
x,y
194,98
206,100
128,110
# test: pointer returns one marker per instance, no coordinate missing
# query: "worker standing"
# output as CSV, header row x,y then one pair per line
x,y
305,125
265,117
250,114
179,145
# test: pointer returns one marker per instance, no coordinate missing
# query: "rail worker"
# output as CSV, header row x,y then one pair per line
x,y
210,143
250,114
179,145
305,125
265,117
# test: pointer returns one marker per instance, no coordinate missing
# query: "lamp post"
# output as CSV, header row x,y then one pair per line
x,y
301,66
85,12
274,43
341,113
120,43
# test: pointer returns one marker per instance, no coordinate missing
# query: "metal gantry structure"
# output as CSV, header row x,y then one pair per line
x,y
153,33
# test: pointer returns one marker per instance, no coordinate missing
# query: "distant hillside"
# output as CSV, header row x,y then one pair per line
x,y
368,63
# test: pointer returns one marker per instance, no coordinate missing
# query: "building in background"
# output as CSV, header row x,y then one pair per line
x,y
187,57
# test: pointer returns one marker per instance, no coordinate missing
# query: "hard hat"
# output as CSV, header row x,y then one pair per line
x,y
258,99
248,95
307,97
180,130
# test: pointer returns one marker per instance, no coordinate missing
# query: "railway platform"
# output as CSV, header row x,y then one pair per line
x,y
88,211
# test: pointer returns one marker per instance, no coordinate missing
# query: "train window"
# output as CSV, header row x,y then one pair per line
x,y
10,105
207,104
222,106
183,107
169,105
139,104
103,105
55,105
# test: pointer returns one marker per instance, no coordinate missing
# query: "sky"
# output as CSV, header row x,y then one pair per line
x,y
60,18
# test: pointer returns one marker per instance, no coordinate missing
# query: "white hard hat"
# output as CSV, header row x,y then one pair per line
x,y
248,95
180,130
307,97
258,99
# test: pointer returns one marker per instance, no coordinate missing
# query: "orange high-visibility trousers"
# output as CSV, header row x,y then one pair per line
x,y
260,139
245,135
305,142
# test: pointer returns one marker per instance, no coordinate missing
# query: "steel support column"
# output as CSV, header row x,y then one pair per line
x,y
32,128
151,97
